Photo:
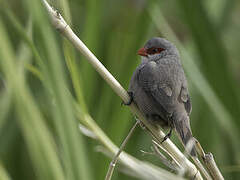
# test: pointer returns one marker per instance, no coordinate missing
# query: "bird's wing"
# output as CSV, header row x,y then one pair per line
x,y
159,89
150,81
185,99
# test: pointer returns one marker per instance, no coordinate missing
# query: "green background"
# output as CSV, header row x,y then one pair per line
x,y
42,77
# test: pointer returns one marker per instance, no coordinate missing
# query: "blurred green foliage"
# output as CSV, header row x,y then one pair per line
x,y
40,71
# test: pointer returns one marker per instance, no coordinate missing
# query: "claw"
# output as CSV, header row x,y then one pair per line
x,y
168,135
130,101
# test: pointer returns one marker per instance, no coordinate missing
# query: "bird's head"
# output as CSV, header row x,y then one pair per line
x,y
157,48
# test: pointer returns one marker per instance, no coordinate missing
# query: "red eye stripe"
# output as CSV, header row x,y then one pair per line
x,y
154,50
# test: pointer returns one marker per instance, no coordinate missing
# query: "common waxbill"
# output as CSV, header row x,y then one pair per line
x,y
159,88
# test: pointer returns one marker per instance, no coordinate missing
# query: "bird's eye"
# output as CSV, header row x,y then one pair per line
x,y
154,50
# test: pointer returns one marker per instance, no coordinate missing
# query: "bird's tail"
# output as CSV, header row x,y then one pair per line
x,y
182,125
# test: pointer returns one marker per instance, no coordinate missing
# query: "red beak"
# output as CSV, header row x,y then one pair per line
x,y
142,52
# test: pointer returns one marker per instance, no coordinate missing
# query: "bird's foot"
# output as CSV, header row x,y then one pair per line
x,y
130,100
168,135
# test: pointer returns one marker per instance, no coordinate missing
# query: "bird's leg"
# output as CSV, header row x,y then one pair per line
x,y
168,135
130,101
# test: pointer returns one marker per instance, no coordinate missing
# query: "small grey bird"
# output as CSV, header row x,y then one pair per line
x,y
159,88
